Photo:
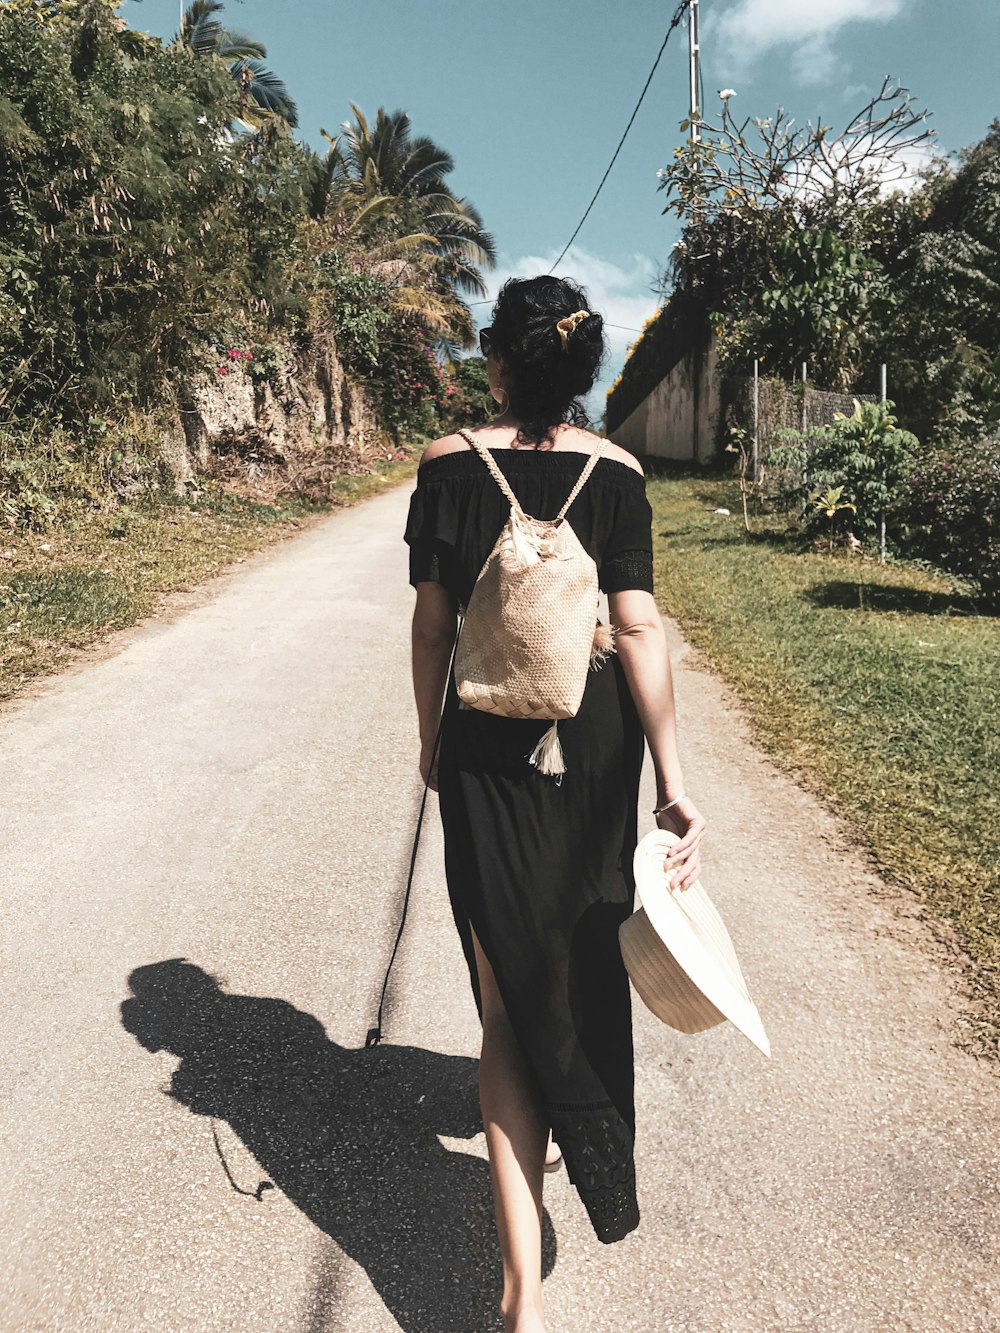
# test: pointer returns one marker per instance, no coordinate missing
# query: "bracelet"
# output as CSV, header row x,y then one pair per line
x,y
669,805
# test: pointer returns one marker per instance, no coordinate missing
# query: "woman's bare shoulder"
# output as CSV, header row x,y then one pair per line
x,y
612,450
587,440
446,444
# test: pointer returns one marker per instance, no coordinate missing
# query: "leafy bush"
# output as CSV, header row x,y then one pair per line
x,y
48,476
359,311
409,381
951,506
470,404
865,457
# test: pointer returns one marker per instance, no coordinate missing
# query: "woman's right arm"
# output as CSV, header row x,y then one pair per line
x,y
642,649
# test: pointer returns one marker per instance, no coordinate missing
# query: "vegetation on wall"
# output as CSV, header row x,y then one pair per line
x,y
795,248
155,212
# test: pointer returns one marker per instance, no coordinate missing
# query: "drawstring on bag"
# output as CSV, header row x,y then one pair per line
x,y
375,1034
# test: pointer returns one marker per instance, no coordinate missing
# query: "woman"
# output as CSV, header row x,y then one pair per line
x,y
539,869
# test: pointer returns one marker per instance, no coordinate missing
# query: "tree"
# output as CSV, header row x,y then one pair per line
x,y
387,187
782,228
261,93
138,233
943,263
726,171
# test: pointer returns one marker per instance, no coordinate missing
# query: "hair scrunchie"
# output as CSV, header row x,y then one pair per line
x,y
567,325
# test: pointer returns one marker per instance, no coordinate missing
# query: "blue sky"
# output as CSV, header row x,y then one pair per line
x,y
530,100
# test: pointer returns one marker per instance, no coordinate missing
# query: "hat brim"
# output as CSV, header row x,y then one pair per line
x,y
692,931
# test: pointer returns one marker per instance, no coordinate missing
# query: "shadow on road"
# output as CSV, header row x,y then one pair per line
x,y
348,1135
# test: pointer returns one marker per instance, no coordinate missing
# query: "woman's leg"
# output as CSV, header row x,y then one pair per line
x,y
516,1136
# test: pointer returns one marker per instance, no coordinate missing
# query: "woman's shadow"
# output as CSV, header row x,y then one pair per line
x,y
348,1135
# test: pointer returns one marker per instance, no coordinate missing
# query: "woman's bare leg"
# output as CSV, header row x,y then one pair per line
x,y
516,1135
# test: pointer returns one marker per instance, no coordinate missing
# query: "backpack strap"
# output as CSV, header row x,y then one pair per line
x,y
504,484
582,478
495,472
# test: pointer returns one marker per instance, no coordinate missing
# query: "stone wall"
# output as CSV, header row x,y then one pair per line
x,y
679,417
309,407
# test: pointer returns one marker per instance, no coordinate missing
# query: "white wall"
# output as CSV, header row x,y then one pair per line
x,y
678,419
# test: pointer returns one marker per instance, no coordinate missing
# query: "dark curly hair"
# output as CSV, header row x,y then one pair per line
x,y
545,383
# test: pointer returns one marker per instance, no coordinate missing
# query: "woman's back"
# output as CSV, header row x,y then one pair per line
x,y
458,510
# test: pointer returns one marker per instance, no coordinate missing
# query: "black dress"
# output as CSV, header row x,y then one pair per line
x,y
543,869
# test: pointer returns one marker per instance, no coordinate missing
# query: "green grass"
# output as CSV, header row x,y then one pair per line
x,y
351,489
876,685
63,589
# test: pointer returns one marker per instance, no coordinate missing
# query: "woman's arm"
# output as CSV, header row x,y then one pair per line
x,y
642,650
432,638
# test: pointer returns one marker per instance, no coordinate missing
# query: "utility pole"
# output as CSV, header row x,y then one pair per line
x,y
694,94
694,69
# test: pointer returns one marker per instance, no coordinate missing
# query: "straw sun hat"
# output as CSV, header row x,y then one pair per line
x,y
678,952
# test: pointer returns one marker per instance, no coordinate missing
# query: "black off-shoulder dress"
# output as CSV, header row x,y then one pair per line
x,y
543,869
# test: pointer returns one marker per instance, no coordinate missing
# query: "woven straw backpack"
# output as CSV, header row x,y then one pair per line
x,y
530,632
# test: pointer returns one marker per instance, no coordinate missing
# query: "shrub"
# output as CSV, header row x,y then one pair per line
x,y
470,403
52,476
864,456
409,381
951,507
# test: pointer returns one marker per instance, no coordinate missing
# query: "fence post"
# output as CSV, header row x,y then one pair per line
x,y
806,472
804,370
881,540
756,421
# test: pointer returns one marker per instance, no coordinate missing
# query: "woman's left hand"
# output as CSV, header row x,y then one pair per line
x,y
683,862
429,774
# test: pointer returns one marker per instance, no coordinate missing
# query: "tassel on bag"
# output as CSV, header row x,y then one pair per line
x,y
603,645
547,756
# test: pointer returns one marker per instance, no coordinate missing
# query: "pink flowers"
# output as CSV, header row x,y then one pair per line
x,y
234,354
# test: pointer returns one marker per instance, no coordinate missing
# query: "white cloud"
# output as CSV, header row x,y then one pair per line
x,y
814,62
763,23
753,27
621,294
910,163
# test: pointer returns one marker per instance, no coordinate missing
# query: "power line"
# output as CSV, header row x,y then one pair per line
x,y
678,15
625,328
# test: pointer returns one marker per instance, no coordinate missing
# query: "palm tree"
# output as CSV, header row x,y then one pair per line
x,y
388,186
202,33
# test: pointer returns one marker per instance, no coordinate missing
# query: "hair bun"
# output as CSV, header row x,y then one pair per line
x,y
547,374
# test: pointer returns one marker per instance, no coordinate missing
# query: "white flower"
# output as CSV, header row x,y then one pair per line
x,y
726,93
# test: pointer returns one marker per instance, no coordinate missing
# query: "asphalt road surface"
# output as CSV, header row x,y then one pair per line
x,y
206,827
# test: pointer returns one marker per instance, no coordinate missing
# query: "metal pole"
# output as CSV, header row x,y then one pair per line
x,y
802,419
694,69
881,543
756,420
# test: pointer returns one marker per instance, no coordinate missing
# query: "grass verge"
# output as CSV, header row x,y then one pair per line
x,y
875,684
63,589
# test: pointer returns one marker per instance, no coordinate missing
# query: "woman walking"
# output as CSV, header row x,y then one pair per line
x,y
539,867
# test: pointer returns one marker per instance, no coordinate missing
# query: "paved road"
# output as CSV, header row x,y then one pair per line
x,y
233,785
